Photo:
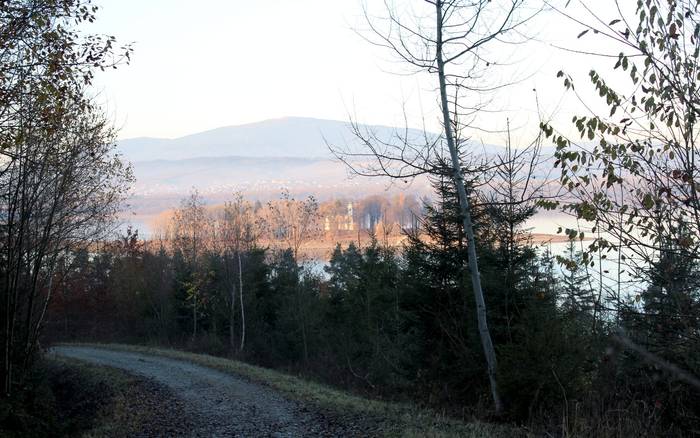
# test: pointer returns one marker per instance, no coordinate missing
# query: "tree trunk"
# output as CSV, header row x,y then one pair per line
x,y
194,318
465,208
304,341
240,295
301,315
232,319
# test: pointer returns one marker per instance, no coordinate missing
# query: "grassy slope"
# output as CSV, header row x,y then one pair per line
x,y
401,420
115,395
109,402
67,397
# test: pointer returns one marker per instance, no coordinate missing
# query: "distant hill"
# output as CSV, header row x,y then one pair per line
x,y
258,159
296,137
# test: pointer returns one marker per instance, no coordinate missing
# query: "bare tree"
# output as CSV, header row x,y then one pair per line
x,y
191,226
294,222
60,182
447,39
240,230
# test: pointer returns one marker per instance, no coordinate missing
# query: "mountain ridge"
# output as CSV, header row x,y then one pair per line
x,y
282,137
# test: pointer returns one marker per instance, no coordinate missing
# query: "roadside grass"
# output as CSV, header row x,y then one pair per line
x,y
107,387
65,397
396,419
98,401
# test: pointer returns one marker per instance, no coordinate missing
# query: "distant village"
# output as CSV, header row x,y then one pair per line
x,y
373,213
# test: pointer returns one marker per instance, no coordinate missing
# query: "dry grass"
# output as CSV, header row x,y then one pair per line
x,y
112,397
119,404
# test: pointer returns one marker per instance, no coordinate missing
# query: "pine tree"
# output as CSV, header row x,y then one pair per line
x,y
664,319
439,302
577,297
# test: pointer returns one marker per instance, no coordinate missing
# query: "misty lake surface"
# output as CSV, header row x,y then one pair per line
x,y
541,223
604,271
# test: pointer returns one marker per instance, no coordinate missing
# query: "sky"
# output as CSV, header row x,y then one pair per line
x,y
211,63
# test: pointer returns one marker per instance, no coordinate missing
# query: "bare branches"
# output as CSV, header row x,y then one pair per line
x,y
638,180
622,339
447,38
60,182
294,222
410,33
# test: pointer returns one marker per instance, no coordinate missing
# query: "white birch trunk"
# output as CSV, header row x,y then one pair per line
x,y
232,319
240,295
465,208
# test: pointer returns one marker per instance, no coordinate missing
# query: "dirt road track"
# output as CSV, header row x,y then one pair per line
x,y
220,404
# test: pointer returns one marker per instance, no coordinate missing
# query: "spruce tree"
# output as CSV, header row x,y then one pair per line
x,y
439,301
577,296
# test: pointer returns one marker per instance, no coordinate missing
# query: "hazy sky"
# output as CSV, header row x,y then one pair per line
x,y
211,63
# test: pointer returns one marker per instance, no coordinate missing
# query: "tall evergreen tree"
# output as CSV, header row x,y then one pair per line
x,y
440,304
577,297
664,320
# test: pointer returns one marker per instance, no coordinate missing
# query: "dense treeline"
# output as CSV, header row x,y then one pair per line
x,y
395,322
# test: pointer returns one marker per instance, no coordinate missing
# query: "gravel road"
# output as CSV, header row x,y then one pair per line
x,y
219,404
